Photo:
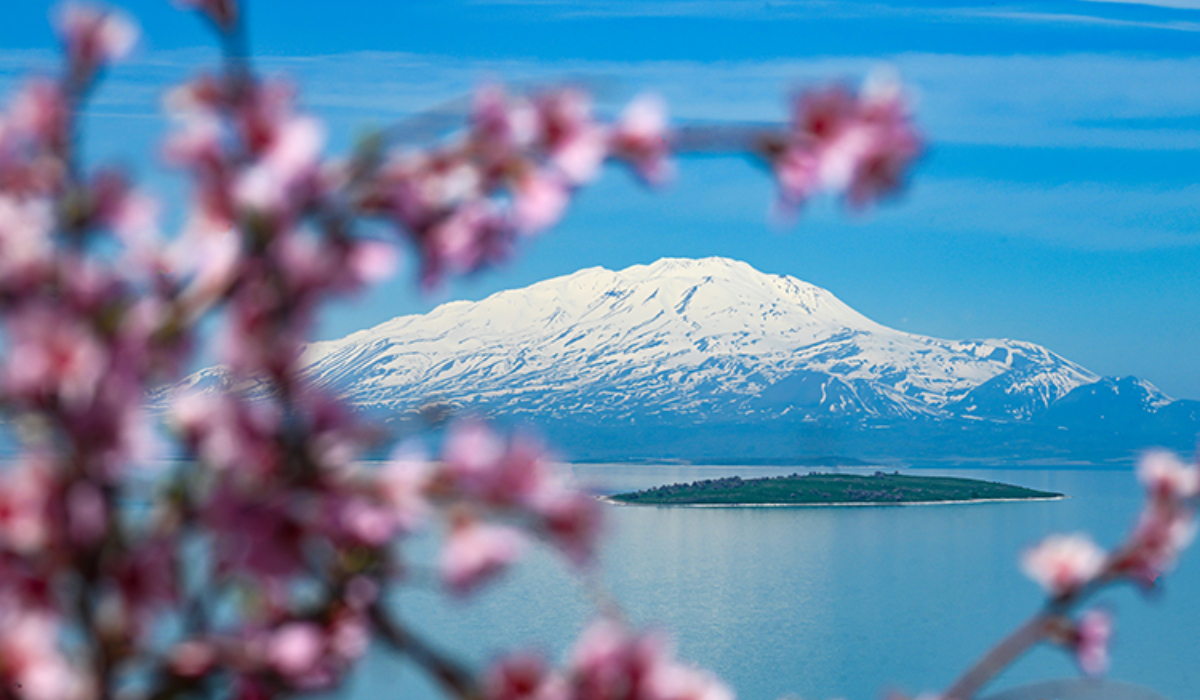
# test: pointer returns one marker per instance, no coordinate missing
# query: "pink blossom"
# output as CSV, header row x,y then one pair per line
x,y
1064,563
40,113
641,137
539,201
295,648
859,145
502,126
31,662
573,521
209,259
255,533
372,261
1091,641
476,552
26,249
94,36
1161,535
229,433
522,677
26,494
1166,476
610,661
678,682
52,356
484,467
87,514
197,144
472,450
349,637
192,658
146,577
366,521
403,484
291,158
465,240
578,158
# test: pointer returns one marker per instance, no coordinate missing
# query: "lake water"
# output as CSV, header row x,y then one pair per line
x,y
819,602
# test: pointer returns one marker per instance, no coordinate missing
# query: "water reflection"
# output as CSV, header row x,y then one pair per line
x,y
823,602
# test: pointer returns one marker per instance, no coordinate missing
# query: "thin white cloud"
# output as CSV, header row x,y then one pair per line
x,y
799,9
1067,18
1172,4
1071,101
1079,101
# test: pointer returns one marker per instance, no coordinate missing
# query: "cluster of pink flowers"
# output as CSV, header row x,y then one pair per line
x,y
860,145
84,337
1067,566
609,661
295,538
511,174
482,474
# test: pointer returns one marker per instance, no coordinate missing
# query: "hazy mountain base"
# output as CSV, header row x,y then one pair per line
x,y
915,441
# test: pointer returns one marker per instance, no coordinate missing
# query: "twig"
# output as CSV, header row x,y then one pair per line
x,y
453,677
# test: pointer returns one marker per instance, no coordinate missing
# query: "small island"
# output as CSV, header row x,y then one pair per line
x,y
823,489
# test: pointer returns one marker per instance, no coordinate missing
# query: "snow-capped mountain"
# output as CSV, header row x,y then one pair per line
x,y
680,341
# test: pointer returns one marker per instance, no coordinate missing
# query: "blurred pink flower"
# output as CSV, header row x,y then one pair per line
x,y
578,159
192,658
641,137
26,495
94,36
255,533
1091,641
502,126
364,520
403,484
857,145
610,661
52,356
39,113
574,142
289,161
1161,535
26,248
1063,563
295,649
484,467
1166,476
229,433
573,522
31,663
87,514
475,552
539,201
523,676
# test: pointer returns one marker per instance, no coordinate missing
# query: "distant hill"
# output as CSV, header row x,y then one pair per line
x,y
712,360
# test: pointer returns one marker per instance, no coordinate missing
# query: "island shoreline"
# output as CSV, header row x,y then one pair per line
x,y
611,501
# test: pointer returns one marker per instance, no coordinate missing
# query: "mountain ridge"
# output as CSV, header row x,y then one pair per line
x,y
668,334
629,363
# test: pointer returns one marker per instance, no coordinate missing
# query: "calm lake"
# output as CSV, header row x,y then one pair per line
x,y
819,603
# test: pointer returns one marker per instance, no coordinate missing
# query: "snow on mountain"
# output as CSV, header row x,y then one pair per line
x,y
683,339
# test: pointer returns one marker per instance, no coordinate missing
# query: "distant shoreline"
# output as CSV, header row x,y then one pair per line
x,y
611,501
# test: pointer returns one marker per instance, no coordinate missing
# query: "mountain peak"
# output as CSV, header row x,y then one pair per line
x,y
681,337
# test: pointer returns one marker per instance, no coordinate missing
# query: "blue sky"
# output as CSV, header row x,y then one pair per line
x,y
1059,202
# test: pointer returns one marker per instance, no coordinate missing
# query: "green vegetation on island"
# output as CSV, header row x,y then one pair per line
x,y
829,489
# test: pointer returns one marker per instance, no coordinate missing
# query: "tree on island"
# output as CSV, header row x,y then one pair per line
x,y
262,567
